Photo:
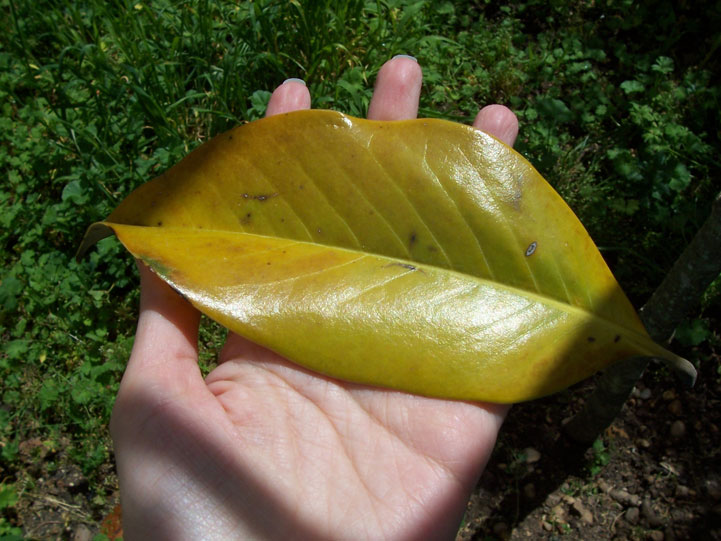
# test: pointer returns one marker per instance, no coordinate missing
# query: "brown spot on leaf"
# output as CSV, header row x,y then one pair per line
x,y
404,265
591,339
260,197
412,239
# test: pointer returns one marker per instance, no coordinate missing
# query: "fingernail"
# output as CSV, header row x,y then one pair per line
x,y
405,56
294,80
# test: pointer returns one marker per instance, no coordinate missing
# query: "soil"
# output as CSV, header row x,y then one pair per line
x,y
655,474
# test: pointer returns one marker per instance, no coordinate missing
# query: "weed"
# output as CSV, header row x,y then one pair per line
x,y
600,457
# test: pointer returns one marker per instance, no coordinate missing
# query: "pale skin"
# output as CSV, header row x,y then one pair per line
x,y
263,449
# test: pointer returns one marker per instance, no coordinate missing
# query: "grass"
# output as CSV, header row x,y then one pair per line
x,y
619,109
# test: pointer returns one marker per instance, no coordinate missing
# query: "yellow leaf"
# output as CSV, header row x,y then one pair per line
x,y
419,255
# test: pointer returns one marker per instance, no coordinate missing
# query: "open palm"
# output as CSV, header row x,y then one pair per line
x,y
262,448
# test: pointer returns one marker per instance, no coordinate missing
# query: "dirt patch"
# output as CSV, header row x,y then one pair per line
x,y
56,501
655,473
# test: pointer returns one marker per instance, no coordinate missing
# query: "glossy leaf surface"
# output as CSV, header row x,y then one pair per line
x,y
419,255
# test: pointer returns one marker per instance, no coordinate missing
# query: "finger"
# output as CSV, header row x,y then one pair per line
x,y
165,351
397,91
292,95
499,121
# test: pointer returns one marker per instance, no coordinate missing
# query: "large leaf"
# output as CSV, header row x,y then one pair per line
x,y
419,255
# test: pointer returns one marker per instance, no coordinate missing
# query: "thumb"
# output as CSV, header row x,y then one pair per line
x,y
164,360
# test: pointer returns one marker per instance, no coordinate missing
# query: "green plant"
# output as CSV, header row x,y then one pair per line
x,y
8,498
600,457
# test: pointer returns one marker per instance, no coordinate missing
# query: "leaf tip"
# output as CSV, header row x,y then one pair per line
x,y
95,233
684,370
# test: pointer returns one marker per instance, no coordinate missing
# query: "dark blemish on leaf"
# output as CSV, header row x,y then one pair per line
x,y
230,137
246,219
159,223
531,248
591,339
432,248
616,339
267,263
260,197
404,265
282,220
412,239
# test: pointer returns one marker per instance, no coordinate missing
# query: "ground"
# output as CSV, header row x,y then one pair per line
x,y
655,474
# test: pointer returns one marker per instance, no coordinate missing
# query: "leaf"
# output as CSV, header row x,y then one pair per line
x,y
632,86
419,255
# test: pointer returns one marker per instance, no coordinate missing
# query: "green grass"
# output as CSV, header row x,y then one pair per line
x,y
619,109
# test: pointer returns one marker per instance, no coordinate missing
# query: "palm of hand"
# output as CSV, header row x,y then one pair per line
x,y
263,448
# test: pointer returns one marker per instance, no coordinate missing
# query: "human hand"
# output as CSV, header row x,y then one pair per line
x,y
262,448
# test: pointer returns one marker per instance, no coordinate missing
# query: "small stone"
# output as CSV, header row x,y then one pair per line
x,y
645,394
553,499
585,514
668,395
713,489
547,526
570,500
643,443
83,533
675,407
650,514
604,486
558,512
678,429
529,491
683,491
631,515
532,455
623,497
656,535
